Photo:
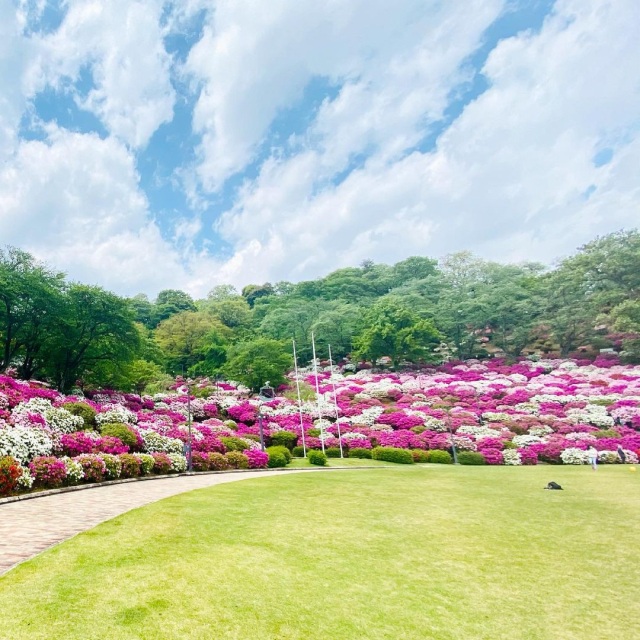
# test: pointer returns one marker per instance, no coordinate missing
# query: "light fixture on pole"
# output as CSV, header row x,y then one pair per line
x,y
266,393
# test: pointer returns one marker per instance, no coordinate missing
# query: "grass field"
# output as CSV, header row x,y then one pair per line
x,y
404,552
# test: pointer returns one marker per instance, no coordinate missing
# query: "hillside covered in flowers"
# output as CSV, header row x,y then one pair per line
x,y
547,411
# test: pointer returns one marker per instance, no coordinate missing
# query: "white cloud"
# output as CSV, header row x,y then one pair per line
x,y
509,179
256,58
14,55
74,201
121,41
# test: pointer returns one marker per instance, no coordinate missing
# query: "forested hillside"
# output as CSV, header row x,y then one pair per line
x,y
416,311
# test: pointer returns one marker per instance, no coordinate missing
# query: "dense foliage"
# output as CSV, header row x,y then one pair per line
x,y
416,312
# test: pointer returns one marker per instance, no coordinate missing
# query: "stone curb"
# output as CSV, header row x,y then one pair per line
x,y
97,485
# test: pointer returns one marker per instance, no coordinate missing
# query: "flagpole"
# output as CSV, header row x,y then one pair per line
x,y
315,370
335,403
295,364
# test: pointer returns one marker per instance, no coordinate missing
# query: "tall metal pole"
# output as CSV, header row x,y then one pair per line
x,y
335,403
190,460
315,370
260,427
295,367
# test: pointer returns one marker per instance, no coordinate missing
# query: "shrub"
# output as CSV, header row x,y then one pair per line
x,y
317,457
392,454
332,452
47,471
75,472
280,449
161,463
418,430
298,452
359,452
276,459
510,445
231,424
121,431
199,461
85,411
471,458
146,463
438,456
313,433
284,439
419,455
93,466
75,444
237,460
178,462
232,443
605,433
10,472
217,461
130,465
112,464
257,459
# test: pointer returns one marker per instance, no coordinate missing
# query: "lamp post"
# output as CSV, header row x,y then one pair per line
x,y
189,422
266,393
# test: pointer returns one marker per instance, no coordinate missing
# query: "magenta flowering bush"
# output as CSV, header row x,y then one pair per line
x,y
257,459
48,472
93,466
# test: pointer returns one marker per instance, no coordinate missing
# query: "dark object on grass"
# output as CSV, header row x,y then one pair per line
x,y
554,486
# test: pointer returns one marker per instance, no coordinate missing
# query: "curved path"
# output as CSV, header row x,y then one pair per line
x,y
28,527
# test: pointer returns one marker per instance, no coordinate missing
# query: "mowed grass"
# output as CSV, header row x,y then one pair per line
x,y
404,552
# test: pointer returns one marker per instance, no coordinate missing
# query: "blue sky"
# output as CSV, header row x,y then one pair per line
x,y
155,144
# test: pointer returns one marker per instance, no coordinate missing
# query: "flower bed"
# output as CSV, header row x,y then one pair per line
x,y
548,411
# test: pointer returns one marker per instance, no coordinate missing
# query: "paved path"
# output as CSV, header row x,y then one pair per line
x,y
29,527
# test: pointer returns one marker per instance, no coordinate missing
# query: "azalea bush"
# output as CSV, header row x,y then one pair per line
x,y
10,472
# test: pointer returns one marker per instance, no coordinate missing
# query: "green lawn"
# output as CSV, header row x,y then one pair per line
x,y
409,552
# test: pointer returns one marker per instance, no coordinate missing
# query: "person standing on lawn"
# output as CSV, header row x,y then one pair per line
x,y
592,452
621,454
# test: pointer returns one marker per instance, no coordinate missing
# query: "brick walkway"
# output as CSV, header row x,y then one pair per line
x,y
29,527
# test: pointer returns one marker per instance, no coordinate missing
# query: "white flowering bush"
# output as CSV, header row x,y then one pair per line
x,y
464,444
608,457
24,444
511,457
178,462
526,440
494,416
25,481
574,456
540,431
63,421
75,472
477,432
38,406
116,414
591,414
154,442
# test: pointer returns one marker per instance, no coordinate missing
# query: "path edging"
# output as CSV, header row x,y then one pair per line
x,y
107,483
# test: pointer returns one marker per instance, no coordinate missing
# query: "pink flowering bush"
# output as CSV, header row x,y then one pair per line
x,y
257,459
48,472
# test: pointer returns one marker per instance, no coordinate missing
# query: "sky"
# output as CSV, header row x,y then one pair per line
x,y
156,144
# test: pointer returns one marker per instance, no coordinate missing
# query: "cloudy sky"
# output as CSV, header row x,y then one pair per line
x,y
151,144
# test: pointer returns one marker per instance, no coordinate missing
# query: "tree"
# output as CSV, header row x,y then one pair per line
x,y
171,302
143,309
258,361
96,335
184,338
395,331
30,301
254,291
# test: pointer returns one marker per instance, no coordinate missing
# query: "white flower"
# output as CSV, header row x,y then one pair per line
x,y
511,457
116,413
574,456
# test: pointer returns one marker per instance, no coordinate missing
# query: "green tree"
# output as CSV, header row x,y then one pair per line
x,y
258,361
185,337
393,330
31,300
95,335
171,302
